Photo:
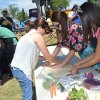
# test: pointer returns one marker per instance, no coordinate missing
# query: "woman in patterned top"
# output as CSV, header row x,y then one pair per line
x,y
90,18
69,36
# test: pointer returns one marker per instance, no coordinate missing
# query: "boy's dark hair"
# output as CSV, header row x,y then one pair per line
x,y
75,7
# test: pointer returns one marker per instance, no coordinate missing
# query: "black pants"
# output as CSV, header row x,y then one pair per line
x,y
4,65
9,47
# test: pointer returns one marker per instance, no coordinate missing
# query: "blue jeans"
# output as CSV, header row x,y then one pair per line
x,y
87,52
25,83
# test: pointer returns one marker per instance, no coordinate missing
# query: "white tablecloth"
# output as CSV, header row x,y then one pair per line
x,y
43,94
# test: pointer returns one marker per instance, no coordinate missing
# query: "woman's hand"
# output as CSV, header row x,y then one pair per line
x,y
47,63
53,65
58,65
74,70
41,58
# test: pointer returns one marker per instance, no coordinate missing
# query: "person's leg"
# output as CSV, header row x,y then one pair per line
x,y
25,83
9,47
4,65
5,70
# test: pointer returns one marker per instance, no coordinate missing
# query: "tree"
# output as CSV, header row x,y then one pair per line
x,y
38,6
13,10
54,4
16,13
22,15
58,3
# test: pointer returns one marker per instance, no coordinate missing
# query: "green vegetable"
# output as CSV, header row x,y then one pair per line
x,y
77,94
47,82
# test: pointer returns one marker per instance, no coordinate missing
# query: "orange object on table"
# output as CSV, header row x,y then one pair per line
x,y
53,90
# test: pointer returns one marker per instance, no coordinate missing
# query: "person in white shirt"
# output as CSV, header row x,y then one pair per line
x,y
73,16
26,56
73,13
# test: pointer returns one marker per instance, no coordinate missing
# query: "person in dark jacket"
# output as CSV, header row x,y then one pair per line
x,y
6,21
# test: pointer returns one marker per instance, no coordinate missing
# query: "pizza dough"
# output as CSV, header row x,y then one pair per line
x,y
57,72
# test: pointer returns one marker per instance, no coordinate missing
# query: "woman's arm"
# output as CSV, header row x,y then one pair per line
x,y
56,51
68,57
94,58
8,22
66,60
39,39
83,60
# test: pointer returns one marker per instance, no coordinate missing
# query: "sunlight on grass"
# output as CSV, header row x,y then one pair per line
x,y
10,90
51,38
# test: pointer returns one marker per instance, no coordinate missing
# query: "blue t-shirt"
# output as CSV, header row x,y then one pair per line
x,y
20,25
77,20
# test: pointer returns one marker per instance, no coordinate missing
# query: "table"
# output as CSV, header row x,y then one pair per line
x,y
40,91
43,94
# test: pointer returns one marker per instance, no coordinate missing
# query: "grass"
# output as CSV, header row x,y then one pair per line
x,y
49,38
11,89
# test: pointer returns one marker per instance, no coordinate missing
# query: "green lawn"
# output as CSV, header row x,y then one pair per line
x,y
10,90
51,38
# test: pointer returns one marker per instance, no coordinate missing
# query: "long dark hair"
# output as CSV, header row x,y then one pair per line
x,y
62,18
90,18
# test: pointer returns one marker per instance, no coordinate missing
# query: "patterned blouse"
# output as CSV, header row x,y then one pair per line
x,y
74,40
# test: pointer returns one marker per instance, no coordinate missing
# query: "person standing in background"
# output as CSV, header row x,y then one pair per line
x,y
20,25
73,16
6,21
10,41
7,49
5,71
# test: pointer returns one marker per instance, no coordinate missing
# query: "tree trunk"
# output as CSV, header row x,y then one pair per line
x,y
39,10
